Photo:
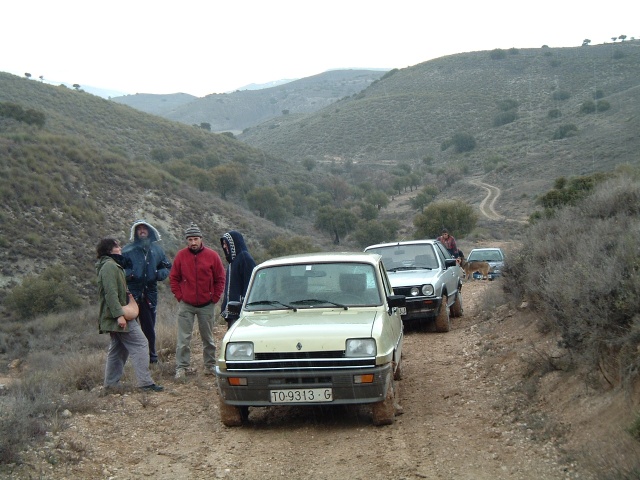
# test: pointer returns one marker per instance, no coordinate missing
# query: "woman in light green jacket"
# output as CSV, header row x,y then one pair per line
x,y
118,318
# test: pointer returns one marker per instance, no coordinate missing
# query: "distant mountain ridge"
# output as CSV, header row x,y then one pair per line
x,y
236,111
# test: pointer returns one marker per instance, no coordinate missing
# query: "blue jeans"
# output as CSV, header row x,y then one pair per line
x,y
132,344
186,317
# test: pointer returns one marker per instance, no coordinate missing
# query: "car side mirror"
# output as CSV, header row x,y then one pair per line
x,y
234,307
396,301
450,262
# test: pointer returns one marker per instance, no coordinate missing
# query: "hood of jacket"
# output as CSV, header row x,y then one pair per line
x,y
154,235
235,242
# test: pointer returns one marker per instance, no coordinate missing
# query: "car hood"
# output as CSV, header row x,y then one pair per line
x,y
303,330
405,278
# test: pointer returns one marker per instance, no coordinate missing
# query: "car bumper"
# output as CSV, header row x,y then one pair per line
x,y
345,390
421,308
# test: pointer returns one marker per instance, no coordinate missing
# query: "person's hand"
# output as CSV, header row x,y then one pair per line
x,y
122,322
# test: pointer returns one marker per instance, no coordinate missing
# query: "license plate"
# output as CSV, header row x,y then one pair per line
x,y
296,395
402,310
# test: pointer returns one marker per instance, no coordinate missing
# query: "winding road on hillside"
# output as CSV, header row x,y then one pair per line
x,y
487,205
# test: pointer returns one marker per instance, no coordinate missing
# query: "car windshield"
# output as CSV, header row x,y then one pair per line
x,y
407,257
485,256
313,285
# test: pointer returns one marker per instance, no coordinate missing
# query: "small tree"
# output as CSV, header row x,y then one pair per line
x,y
622,37
28,75
455,215
586,42
335,221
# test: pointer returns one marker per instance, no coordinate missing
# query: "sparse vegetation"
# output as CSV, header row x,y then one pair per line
x,y
579,269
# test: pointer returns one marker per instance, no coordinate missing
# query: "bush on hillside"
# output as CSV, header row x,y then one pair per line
x,y
463,142
497,54
285,245
580,269
504,118
455,215
564,131
561,95
554,113
50,292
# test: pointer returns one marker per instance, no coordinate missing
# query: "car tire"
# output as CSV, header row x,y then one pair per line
x,y
443,322
230,415
384,412
397,372
456,308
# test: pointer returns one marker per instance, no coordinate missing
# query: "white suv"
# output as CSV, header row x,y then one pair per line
x,y
428,276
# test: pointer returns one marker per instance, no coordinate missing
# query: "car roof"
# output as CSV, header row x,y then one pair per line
x,y
407,242
486,248
323,257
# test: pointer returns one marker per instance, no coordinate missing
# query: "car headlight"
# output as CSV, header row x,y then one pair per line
x,y
427,289
239,351
361,347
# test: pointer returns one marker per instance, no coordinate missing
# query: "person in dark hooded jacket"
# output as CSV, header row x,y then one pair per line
x,y
146,265
241,265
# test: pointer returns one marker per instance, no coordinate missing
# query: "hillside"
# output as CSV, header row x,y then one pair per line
x,y
408,115
95,166
241,109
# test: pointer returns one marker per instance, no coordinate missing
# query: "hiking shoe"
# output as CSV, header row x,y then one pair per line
x,y
152,388
180,373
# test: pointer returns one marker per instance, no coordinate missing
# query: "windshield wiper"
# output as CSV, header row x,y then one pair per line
x,y
271,302
313,301
413,267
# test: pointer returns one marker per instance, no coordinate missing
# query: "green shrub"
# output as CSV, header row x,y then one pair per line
x,y
463,142
561,95
580,269
554,113
52,291
455,215
497,54
588,106
285,245
599,93
564,131
504,118
603,106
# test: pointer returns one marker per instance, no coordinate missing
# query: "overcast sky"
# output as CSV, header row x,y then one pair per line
x,y
214,46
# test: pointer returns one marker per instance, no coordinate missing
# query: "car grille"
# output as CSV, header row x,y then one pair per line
x,y
302,361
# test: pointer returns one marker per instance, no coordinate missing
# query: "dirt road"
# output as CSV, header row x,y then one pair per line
x,y
458,422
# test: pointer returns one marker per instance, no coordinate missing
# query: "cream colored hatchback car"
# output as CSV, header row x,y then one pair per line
x,y
316,329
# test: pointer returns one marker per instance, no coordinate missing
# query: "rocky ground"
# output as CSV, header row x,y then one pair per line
x,y
466,415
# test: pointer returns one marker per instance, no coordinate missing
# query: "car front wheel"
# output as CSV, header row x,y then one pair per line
x,y
230,415
456,308
384,412
443,323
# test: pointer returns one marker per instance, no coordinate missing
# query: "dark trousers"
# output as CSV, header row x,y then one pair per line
x,y
147,318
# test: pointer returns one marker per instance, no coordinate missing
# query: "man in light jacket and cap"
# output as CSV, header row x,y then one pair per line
x,y
146,265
